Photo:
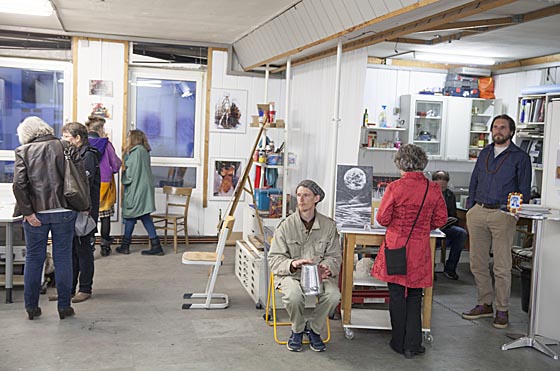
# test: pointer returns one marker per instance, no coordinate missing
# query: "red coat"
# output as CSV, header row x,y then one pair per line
x,y
397,212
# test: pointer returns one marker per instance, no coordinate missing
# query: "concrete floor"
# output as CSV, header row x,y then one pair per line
x,y
134,321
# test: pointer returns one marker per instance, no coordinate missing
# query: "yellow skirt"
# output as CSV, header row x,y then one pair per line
x,y
107,195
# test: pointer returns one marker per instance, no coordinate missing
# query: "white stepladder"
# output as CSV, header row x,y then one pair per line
x,y
213,260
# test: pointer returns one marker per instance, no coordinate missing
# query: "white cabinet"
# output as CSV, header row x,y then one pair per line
x,y
449,128
424,116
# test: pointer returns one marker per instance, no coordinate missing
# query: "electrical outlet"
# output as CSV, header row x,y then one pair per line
x,y
396,110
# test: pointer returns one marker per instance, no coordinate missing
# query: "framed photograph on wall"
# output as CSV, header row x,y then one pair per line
x,y
229,111
226,174
103,88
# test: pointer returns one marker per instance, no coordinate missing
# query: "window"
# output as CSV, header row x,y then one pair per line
x,y
29,88
167,106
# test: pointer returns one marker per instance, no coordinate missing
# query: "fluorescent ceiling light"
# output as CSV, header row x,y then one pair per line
x,y
42,8
454,59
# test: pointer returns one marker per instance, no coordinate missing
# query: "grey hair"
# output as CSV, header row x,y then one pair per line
x,y
411,157
33,127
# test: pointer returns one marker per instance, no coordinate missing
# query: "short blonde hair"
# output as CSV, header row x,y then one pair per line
x,y
33,127
411,157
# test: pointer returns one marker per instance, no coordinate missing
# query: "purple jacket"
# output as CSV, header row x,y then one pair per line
x,y
110,163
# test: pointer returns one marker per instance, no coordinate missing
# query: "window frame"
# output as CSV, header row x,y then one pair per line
x,y
46,65
175,74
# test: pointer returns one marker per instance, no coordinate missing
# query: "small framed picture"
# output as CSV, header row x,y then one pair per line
x,y
229,107
226,175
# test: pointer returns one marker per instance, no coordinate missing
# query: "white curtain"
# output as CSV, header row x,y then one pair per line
x,y
312,123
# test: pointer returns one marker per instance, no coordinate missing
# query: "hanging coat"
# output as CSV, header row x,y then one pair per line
x,y
138,182
397,212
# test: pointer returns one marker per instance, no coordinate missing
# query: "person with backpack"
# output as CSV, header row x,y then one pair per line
x,y
109,165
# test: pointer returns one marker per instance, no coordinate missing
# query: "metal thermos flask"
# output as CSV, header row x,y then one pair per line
x,y
310,280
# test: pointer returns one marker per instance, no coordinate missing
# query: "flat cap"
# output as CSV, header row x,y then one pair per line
x,y
313,187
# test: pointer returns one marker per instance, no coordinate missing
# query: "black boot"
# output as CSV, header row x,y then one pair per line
x,y
105,247
124,248
156,248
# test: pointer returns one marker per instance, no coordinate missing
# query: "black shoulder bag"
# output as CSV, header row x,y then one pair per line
x,y
76,187
395,259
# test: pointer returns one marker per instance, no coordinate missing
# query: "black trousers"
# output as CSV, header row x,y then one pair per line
x,y
82,263
406,321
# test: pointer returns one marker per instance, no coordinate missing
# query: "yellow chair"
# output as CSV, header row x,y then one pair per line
x,y
271,300
212,260
175,222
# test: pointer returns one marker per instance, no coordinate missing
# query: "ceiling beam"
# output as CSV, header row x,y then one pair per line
x,y
480,26
422,24
553,58
472,24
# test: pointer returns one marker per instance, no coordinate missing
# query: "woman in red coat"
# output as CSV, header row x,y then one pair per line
x,y
398,210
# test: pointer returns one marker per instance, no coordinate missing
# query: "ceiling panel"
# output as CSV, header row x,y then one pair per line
x,y
269,30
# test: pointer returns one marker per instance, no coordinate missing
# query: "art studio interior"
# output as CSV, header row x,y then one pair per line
x,y
240,101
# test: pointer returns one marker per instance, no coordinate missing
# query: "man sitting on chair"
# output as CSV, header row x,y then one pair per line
x,y
306,237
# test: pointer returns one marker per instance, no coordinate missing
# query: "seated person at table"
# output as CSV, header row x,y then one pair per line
x,y
306,237
455,236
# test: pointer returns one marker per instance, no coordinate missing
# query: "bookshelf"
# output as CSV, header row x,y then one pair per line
x,y
531,127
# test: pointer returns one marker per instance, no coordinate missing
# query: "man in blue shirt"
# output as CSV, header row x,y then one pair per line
x,y
501,168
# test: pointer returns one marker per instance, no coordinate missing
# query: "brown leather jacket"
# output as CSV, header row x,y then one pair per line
x,y
39,175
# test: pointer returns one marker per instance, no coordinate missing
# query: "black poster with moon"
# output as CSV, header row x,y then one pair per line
x,y
353,196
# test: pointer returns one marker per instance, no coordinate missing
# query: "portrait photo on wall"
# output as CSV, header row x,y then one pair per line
x,y
353,196
230,110
101,110
103,88
226,174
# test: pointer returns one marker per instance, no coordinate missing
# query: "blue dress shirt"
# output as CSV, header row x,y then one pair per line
x,y
493,178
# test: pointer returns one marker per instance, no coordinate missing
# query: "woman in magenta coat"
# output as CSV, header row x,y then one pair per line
x,y
398,210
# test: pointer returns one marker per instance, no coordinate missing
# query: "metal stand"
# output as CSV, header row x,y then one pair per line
x,y
531,339
9,275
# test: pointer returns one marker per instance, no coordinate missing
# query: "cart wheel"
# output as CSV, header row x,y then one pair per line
x,y
348,334
269,315
258,306
428,337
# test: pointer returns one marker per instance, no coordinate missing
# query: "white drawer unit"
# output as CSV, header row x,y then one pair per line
x,y
250,270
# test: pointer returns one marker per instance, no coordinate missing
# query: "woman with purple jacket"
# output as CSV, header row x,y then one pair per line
x,y
109,164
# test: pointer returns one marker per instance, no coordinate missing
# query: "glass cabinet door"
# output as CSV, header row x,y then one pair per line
x,y
428,126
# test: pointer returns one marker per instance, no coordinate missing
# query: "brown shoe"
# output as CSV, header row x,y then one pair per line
x,y
80,296
53,297
480,311
501,320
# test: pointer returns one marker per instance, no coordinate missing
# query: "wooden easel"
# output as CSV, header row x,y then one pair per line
x,y
240,187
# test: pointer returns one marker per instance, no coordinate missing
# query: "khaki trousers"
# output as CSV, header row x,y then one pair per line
x,y
494,229
294,302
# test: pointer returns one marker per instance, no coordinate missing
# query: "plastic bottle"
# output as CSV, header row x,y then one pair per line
x,y
365,119
383,117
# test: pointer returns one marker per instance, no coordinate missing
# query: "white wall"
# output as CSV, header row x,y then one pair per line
x,y
237,146
312,113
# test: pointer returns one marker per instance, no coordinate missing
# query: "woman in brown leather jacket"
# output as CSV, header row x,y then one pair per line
x,y
38,189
